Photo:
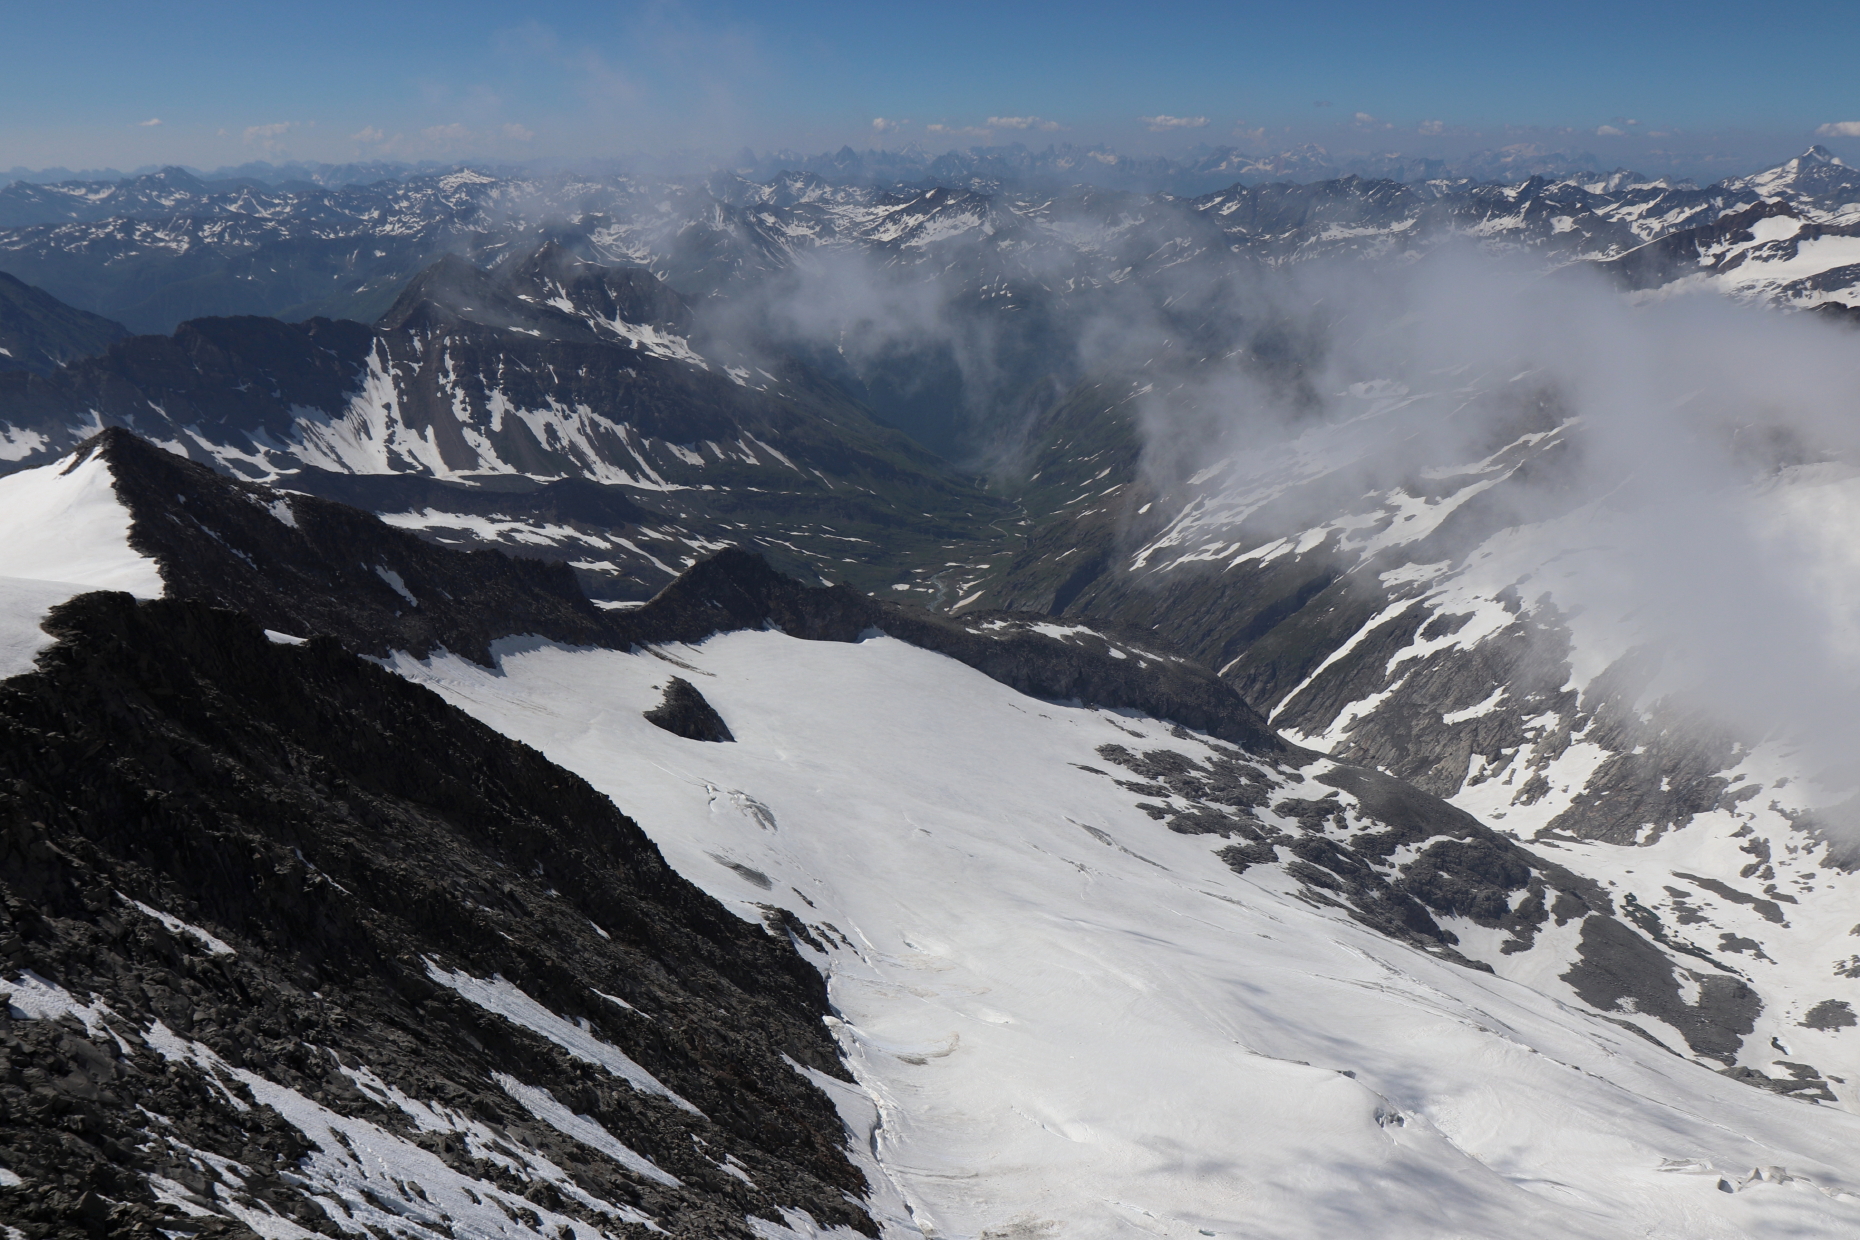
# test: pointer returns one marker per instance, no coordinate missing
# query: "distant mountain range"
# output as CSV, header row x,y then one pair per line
x,y
157,249
1008,167
791,266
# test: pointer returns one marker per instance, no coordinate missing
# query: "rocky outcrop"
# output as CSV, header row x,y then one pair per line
x,y
289,938
684,712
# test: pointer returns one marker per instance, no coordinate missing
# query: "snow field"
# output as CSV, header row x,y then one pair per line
x,y
1056,1035
64,523
62,532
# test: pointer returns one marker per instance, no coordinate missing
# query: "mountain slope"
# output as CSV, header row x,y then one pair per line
x,y
333,953
512,382
1118,971
1455,621
1069,1016
40,333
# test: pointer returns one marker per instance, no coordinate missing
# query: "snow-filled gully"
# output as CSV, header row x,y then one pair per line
x,y
1067,1021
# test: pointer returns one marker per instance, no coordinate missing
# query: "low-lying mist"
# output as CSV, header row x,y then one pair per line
x,y
1708,482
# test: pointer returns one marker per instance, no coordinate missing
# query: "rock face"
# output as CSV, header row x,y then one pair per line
x,y
557,406
39,333
306,566
684,712
296,932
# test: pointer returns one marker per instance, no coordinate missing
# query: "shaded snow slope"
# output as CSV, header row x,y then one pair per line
x,y
1069,1020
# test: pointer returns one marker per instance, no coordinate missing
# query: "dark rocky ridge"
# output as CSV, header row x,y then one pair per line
x,y
39,333
323,573
307,567
339,828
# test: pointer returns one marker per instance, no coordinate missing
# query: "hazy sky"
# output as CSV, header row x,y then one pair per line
x,y
84,84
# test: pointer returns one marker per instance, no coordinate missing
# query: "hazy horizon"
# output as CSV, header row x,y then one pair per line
x,y
206,85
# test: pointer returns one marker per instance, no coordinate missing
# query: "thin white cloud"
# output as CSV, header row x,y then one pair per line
x,y
961,131
266,137
1839,129
1608,131
882,124
368,134
150,123
1432,127
1159,124
1364,118
453,139
1023,122
454,134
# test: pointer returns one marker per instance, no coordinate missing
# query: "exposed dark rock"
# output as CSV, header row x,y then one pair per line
x,y
1728,942
1769,909
1241,857
1461,868
1618,970
339,828
1803,1081
310,567
684,712
1830,1014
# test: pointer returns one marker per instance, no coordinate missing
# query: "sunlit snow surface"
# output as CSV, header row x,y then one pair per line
x,y
1068,1021
62,532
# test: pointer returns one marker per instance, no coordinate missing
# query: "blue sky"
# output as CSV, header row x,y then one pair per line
x,y
81,82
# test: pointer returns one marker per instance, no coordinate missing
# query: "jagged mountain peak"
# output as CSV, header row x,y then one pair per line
x,y
1816,177
553,294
